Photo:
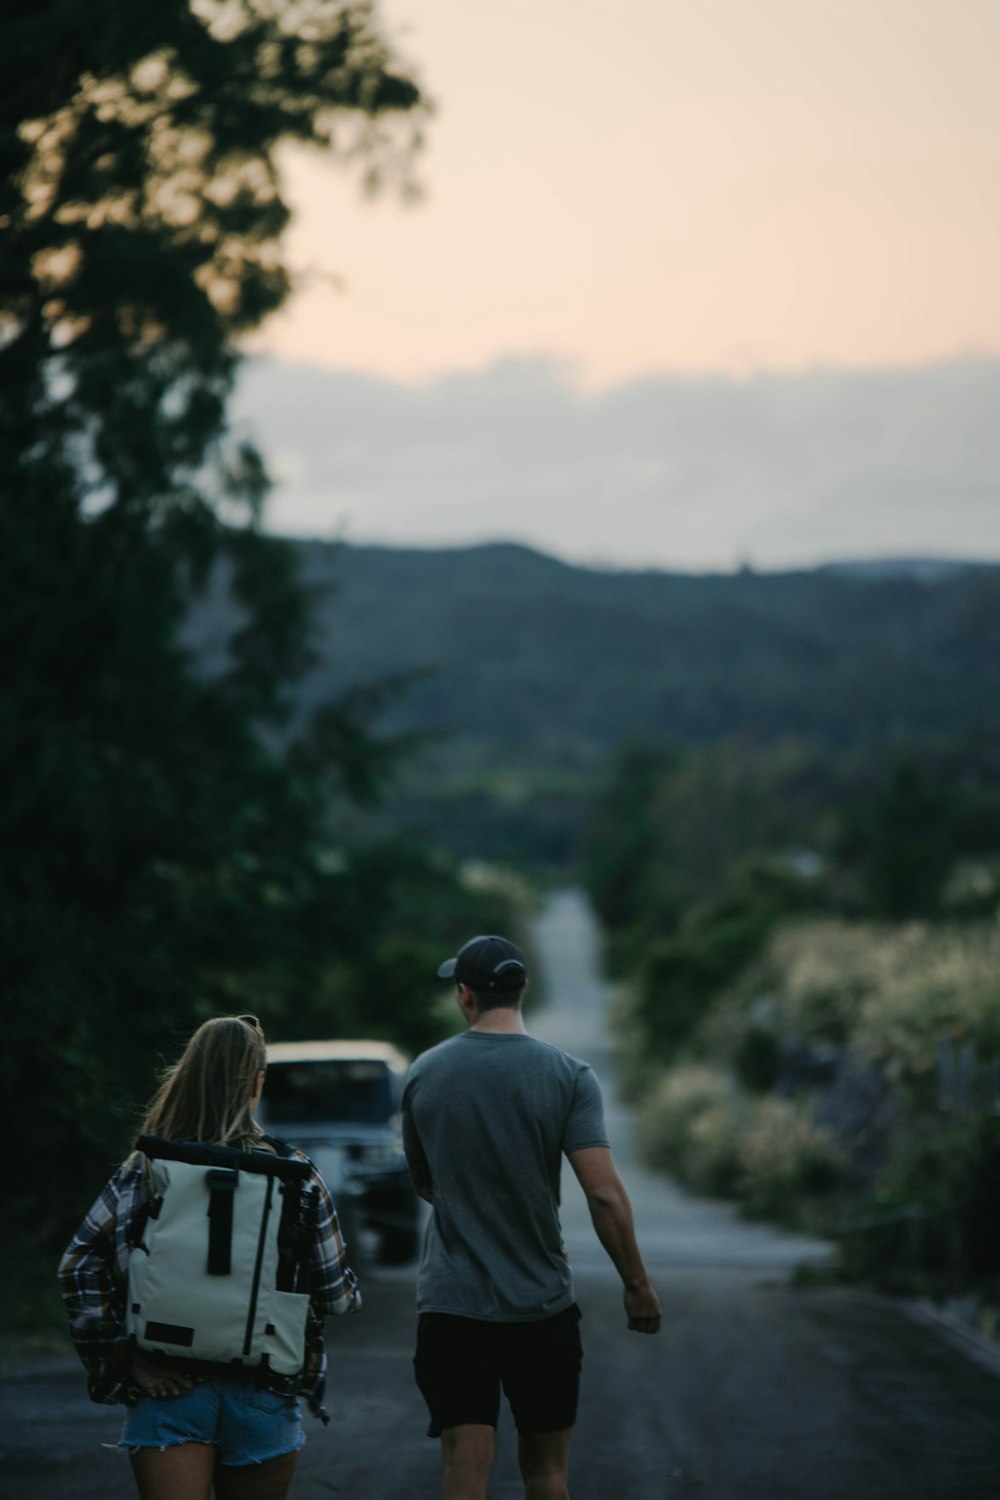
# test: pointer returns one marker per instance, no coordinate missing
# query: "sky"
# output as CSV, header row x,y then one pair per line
x,y
656,196
698,474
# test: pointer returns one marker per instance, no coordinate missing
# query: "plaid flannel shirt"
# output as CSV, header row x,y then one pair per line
x,y
93,1276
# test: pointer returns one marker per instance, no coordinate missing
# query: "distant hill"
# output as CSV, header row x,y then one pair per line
x,y
539,665
925,569
527,650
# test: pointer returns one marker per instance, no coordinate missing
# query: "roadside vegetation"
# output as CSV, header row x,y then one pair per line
x,y
809,1018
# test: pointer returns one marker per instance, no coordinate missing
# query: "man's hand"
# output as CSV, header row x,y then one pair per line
x,y
642,1308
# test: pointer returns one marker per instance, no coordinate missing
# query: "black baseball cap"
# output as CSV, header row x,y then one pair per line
x,y
487,963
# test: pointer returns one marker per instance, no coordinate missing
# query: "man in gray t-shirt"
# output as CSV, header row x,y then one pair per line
x,y
487,1118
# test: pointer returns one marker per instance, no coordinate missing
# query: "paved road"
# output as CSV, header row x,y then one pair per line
x,y
752,1392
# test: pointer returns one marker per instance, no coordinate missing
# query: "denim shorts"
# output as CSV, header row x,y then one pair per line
x,y
248,1425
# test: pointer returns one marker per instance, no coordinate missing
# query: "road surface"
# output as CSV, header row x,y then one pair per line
x,y
753,1391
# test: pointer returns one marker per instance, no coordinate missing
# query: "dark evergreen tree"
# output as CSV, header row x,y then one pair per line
x,y
168,844
910,844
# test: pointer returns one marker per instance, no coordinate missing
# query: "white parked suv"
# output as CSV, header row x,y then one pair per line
x,y
339,1103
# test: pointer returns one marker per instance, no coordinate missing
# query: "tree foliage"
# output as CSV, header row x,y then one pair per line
x,y
141,211
174,838
693,857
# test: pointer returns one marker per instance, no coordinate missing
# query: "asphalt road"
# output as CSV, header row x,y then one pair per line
x,y
753,1391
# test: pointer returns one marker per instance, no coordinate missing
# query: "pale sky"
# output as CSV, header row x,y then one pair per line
x,y
684,472
693,282
644,186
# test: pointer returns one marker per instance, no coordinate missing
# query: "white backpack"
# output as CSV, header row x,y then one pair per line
x,y
219,1267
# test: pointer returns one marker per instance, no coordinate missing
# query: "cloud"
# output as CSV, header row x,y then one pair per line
x,y
780,470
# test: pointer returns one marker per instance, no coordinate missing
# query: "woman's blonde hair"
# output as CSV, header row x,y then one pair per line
x,y
207,1094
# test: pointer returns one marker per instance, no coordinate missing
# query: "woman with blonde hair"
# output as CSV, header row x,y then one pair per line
x,y
189,1425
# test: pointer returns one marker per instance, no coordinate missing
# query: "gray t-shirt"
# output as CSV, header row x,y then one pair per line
x,y
486,1118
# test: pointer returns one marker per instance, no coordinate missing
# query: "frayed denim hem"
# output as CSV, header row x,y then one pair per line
x,y
271,1456
183,1441
179,1442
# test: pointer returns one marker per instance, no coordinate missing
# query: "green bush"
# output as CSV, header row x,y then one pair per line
x,y
815,975
892,994
681,976
936,1208
757,1059
699,1126
934,985
689,1126
891,997
786,1160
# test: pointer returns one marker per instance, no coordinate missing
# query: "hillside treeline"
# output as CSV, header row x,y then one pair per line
x,y
809,943
531,671
521,649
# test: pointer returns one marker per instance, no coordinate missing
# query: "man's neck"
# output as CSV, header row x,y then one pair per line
x,y
503,1019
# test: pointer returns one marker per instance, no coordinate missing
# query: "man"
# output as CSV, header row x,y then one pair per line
x,y
487,1117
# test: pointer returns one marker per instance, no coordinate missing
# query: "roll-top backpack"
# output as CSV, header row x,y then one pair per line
x,y
221,1257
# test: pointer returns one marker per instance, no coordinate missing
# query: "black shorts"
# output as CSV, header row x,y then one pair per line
x,y
462,1363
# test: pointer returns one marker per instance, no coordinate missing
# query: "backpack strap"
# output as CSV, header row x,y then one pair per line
x,y
201,1154
221,1187
299,1228
278,1146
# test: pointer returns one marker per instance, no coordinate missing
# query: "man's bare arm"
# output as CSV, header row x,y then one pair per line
x,y
611,1213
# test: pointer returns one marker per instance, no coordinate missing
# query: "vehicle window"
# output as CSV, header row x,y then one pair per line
x,y
329,1091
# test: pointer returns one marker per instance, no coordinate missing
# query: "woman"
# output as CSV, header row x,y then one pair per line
x,y
184,1432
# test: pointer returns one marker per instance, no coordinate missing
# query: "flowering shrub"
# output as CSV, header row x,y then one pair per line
x,y
785,1159
701,1127
913,1008
935,986
818,973
689,1126
892,994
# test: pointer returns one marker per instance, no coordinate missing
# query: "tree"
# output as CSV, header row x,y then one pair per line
x,y
141,211
910,844
169,844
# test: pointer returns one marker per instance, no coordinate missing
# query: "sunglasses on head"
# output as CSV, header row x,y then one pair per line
x,y
251,1021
